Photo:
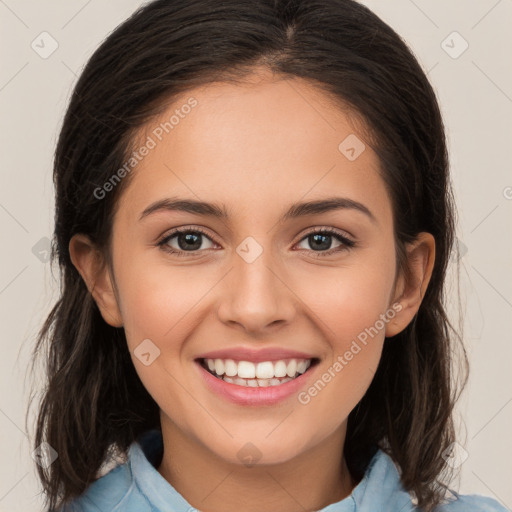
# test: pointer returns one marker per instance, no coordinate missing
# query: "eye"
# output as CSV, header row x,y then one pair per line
x,y
321,238
188,241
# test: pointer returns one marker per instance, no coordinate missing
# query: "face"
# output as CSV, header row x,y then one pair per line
x,y
321,282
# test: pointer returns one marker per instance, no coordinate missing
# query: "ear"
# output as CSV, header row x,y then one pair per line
x,y
93,268
409,293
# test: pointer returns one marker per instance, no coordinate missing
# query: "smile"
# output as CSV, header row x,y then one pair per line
x,y
260,374
256,391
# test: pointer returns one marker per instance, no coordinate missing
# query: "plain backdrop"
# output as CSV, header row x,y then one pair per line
x,y
464,47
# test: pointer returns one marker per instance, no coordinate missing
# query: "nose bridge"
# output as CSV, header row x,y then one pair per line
x,y
255,295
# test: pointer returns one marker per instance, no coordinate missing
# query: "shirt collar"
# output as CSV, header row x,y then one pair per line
x,y
380,486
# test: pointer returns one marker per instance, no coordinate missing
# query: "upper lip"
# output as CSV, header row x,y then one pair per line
x,y
256,355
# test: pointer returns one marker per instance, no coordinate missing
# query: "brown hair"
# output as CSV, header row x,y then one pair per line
x,y
93,396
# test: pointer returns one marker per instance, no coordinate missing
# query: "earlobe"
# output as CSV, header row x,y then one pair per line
x,y
93,268
420,259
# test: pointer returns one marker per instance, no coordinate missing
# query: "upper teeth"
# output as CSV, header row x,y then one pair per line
x,y
262,370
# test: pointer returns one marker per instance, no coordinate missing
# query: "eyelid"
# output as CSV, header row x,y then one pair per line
x,y
307,232
326,229
185,229
347,242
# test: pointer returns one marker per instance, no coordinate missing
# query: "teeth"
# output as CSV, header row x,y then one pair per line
x,y
279,370
292,368
262,383
302,366
246,369
219,366
263,372
230,368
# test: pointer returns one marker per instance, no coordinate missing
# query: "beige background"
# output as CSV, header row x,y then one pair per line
x,y
475,91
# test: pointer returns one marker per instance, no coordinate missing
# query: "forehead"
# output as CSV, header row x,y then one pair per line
x,y
257,147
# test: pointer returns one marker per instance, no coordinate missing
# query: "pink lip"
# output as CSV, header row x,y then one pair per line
x,y
242,395
255,355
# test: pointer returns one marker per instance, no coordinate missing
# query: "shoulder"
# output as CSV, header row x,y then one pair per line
x,y
111,492
115,491
381,489
471,503
117,488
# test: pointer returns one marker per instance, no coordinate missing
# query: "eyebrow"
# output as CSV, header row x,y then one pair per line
x,y
296,210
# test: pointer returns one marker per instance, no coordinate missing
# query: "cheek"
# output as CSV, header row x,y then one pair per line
x,y
350,299
153,299
350,317
351,306
355,307
157,305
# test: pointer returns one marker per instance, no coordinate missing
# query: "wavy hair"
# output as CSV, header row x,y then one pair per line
x,y
93,398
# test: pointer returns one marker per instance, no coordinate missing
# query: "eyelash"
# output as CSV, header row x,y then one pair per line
x,y
347,244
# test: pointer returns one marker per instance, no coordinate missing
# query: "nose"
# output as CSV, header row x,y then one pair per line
x,y
256,296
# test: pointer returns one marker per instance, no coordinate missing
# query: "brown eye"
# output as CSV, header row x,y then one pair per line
x,y
185,241
321,240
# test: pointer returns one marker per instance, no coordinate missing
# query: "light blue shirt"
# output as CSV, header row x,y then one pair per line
x,y
137,486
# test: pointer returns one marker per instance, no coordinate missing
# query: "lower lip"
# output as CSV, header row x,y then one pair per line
x,y
244,395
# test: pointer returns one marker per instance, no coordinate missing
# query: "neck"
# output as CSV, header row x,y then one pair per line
x,y
312,480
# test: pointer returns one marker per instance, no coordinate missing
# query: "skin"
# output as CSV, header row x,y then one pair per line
x,y
257,148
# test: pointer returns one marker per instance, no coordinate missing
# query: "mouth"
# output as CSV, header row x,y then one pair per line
x,y
257,374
